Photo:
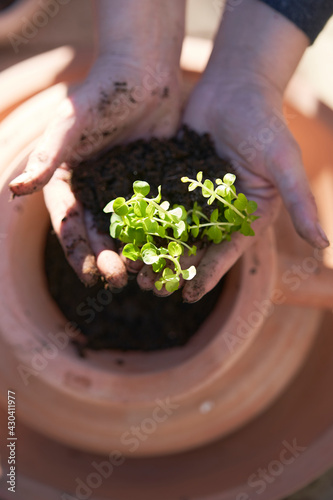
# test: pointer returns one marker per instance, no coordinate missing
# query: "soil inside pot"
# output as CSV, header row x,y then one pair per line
x,y
132,319
127,320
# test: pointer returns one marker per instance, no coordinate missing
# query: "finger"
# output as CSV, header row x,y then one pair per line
x,y
146,277
108,262
289,176
67,219
218,259
133,266
54,148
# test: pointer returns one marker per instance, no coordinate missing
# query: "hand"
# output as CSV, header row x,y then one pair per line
x,y
132,92
239,102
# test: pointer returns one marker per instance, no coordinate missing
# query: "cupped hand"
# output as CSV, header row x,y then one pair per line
x,y
239,102
120,101
244,117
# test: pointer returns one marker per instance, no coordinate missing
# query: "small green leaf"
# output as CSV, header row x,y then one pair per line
x,y
241,202
140,208
251,207
195,231
246,229
116,226
159,195
179,229
161,231
192,250
232,217
109,207
137,235
176,214
151,226
195,218
218,181
185,179
229,215
175,249
165,205
229,179
119,206
131,251
211,199
172,286
149,246
167,273
192,186
158,265
150,211
199,176
141,188
188,274
183,213
158,285
214,215
207,189
221,191
149,257
215,234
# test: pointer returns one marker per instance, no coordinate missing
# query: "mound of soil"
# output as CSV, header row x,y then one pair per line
x,y
163,162
133,319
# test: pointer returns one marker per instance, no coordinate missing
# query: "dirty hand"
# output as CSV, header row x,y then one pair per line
x,y
239,102
132,91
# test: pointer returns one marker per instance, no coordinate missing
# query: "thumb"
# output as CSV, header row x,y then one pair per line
x,y
54,148
288,174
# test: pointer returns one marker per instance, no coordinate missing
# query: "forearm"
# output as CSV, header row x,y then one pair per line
x,y
255,38
141,29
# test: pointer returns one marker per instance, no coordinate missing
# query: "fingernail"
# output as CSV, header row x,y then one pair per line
x,y
323,241
21,179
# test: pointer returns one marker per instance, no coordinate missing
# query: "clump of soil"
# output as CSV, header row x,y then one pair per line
x,y
133,319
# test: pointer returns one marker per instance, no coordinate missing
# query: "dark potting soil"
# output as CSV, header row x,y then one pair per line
x,y
128,320
163,162
132,319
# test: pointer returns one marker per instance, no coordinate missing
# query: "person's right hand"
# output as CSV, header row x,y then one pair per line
x,y
132,92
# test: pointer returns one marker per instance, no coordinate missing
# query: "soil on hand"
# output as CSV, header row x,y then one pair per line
x,y
133,319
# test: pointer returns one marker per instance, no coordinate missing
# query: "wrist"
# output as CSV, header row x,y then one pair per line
x,y
255,41
145,31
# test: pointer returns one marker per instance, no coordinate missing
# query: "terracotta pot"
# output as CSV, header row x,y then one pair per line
x,y
233,369
97,385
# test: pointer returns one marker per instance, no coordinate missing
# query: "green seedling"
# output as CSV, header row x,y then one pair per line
x,y
158,234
